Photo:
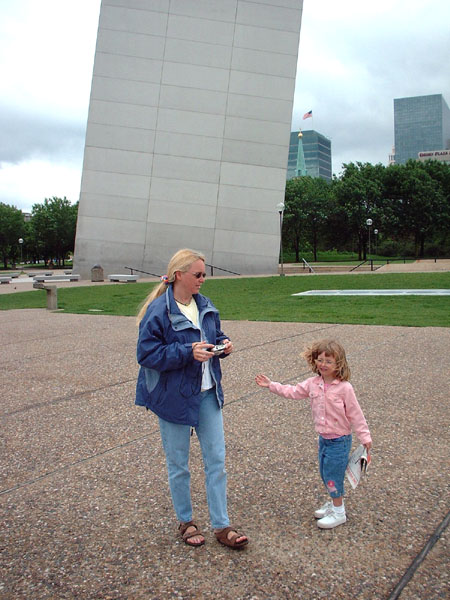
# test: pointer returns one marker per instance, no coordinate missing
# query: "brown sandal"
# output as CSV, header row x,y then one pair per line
x,y
187,536
222,537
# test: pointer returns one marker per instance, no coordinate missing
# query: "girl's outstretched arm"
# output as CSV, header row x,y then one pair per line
x,y
262,381
295,392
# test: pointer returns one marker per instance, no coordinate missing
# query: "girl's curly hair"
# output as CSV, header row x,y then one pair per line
x,y
331,348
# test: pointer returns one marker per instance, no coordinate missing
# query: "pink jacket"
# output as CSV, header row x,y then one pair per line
x,y
335,411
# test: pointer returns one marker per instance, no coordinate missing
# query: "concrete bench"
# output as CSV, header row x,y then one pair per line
x,y
124,278
52,294
5,279
13,275
40,274
42,278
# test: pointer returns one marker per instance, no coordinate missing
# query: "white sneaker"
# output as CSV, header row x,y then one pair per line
x,y
323,510
331,520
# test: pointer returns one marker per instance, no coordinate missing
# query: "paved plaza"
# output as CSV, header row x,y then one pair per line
x,y
85,508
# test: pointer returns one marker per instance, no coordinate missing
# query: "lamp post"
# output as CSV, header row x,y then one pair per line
x,y
280,208
369,225
21,244
375,232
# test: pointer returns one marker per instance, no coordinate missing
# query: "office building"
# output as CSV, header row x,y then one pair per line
x,y
187,134
309,154
421,124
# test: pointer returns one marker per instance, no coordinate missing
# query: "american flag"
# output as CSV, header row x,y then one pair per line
x,y
307,115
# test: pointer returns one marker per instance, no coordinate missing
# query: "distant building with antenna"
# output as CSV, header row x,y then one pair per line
x,y
309,154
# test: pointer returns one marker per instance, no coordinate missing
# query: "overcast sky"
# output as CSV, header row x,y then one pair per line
x,y
355,57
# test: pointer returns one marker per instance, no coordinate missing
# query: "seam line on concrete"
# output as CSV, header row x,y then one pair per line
x,y
74,464
409,573
287,337
65,398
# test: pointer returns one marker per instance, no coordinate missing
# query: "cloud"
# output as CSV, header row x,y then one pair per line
x,y
46,58
40,157
25,136
30,182
47,54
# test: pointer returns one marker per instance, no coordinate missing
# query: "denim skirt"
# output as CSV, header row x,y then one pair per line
x,y
333,460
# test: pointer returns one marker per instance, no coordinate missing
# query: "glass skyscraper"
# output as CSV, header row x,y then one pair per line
x,y
421,123
316,155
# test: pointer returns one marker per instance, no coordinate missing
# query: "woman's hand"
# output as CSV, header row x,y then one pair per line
x,y
368,446
228,346
262,381
200,351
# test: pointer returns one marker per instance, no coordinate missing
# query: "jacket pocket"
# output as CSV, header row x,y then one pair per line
x,y
191,382
336,400
151,379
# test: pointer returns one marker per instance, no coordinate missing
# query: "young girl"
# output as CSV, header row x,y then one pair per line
x,y
335,411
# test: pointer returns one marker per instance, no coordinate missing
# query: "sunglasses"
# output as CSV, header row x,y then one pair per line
x,y
198,275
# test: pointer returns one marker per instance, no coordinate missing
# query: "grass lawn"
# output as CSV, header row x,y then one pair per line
x,y
269,299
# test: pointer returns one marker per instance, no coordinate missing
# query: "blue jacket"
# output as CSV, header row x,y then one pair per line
x,y
169,380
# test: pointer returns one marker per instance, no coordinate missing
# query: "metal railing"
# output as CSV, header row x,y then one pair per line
x,y
311,270
370,260
132,269
212,267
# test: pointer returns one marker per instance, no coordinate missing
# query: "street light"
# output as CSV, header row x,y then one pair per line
x,y
375,231
20,244
280,208
369,224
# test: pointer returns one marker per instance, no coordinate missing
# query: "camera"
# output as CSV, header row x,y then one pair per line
x,y
217,349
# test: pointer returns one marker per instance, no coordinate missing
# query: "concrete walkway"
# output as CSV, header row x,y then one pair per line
x,y
85,509
419,266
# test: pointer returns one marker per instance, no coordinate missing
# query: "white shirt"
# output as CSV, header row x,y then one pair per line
x,y
191,312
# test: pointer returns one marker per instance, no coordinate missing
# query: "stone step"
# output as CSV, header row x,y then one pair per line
x,y
123,277
49,278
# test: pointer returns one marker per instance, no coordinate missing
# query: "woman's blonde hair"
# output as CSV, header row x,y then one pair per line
x,y
180,261
330,348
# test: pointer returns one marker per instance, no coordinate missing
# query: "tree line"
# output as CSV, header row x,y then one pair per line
x,y
49,235
408,205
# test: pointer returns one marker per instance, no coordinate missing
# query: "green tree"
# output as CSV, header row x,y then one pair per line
x,y
11,229
409,204
420,205
54,226
440,173
32,245
359,193
306,211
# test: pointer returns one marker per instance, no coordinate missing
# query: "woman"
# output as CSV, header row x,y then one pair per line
x,y
179,380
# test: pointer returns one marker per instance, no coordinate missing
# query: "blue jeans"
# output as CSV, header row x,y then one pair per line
x,y
333,460
176,442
